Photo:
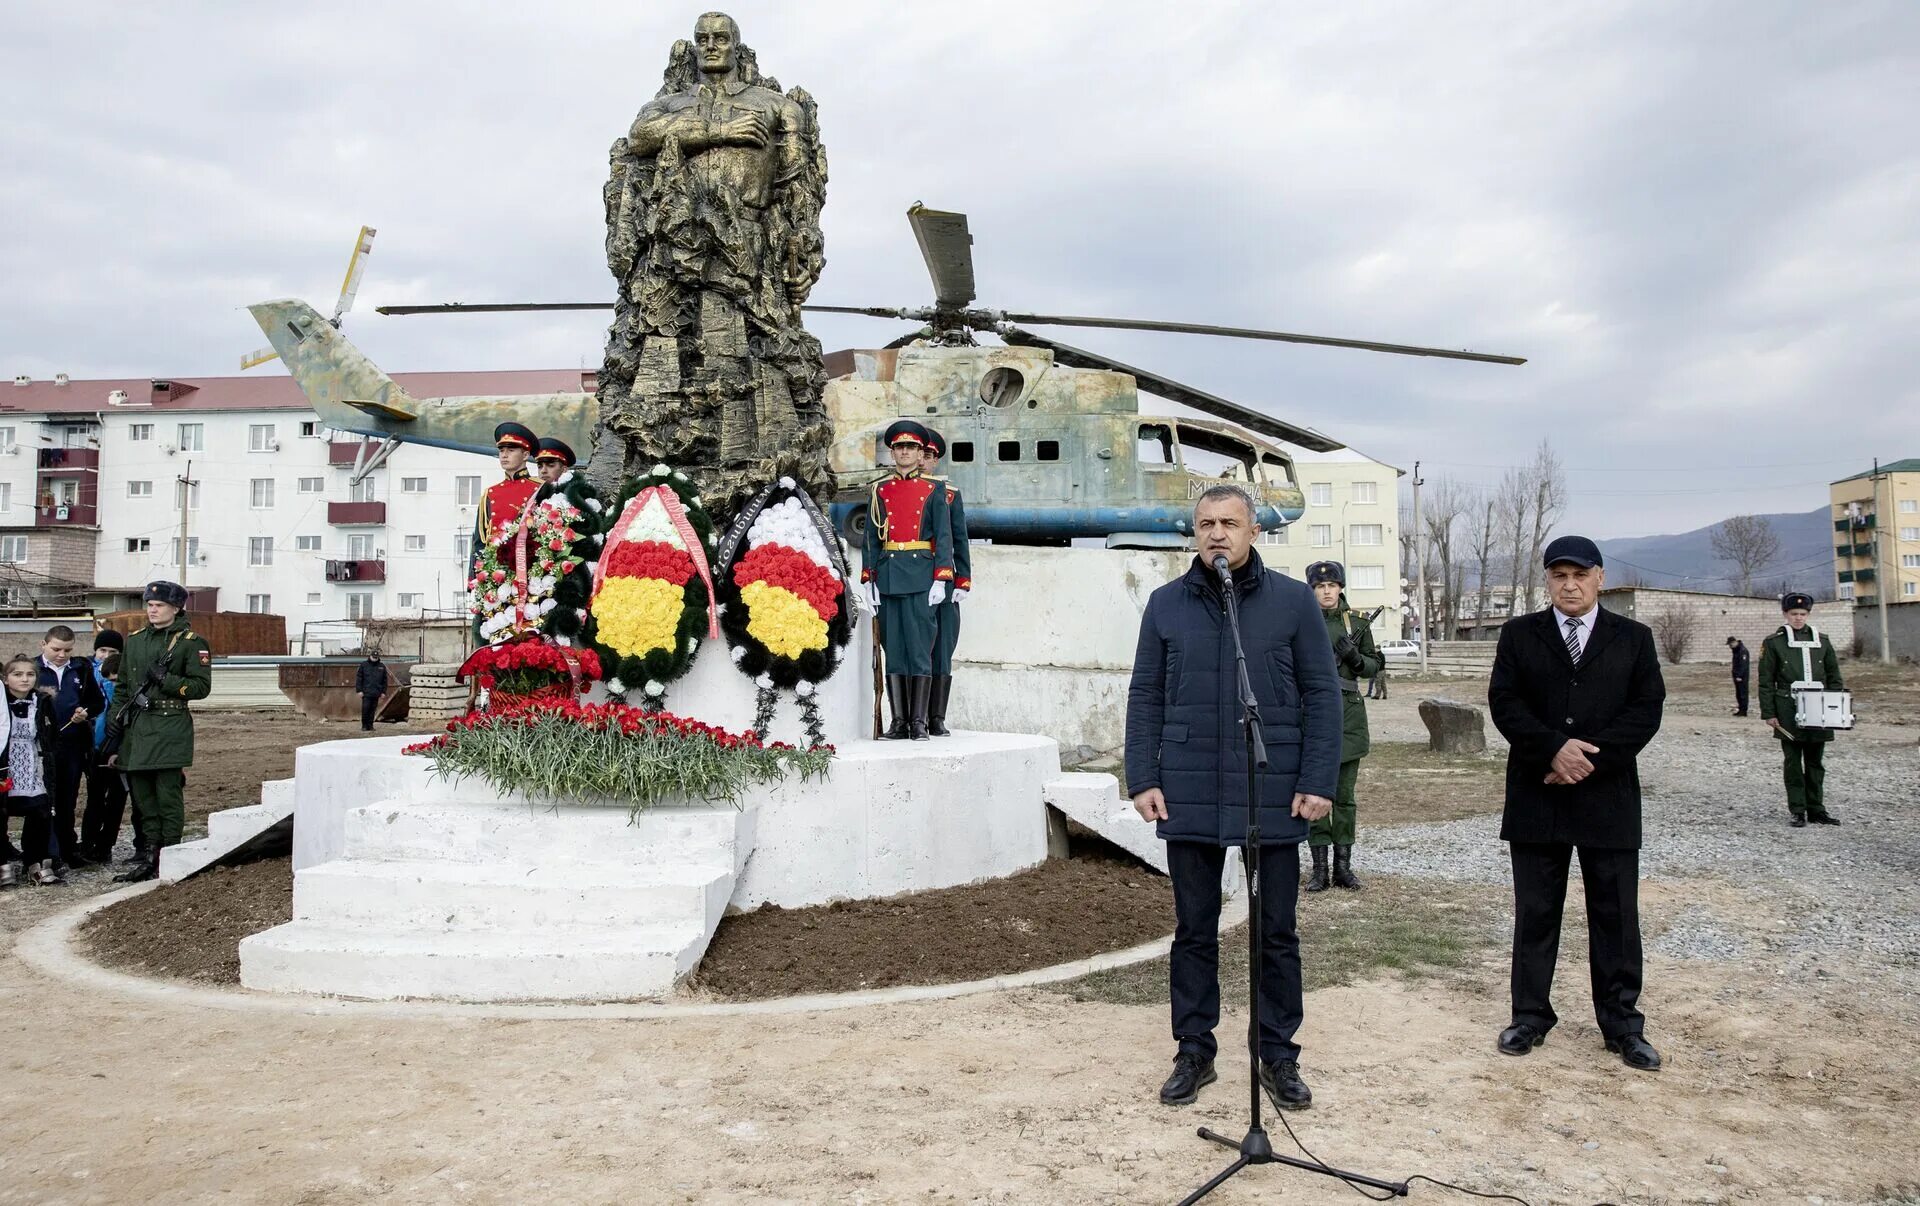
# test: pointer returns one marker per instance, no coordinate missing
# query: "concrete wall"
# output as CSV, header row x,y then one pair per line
x,y
1903,630
1712,618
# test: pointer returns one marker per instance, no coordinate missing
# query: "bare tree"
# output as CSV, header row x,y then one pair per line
x,y
1748,541
1481,534
1440,511
1547,491
1512,504
1672,623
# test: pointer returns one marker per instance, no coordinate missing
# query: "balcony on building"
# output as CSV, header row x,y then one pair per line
x,y
69,459
356,571
1864,521
348,514
66,515
343,453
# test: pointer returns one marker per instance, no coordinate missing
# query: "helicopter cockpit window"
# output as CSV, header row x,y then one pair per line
x,y
1154,448
962,452
1009,450
1209,454
1046,450
1002,387
1274,471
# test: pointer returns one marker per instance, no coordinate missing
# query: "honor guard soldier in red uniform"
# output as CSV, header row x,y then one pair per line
x,y
907,573
946,617
502,502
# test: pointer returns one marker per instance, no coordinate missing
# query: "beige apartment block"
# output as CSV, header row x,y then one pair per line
x,y
1876,534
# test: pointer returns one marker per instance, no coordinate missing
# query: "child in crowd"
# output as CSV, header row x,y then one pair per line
x,y
106,785
28,737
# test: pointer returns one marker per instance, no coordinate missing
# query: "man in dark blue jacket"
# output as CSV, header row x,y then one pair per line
x,y
1187,770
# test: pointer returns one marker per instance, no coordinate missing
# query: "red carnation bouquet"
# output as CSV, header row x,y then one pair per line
x,y
532,669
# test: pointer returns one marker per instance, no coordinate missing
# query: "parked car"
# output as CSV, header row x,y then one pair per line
x,y
1400,651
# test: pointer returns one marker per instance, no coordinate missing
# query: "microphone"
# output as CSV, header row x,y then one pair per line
x,y
1220,567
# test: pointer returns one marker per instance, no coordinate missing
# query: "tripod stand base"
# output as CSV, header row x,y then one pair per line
x,y
1256,1148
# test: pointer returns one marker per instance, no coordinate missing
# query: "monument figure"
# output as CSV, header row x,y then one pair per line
x,y
713,234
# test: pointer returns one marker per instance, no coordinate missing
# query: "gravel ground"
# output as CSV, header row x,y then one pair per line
x,y
1715,816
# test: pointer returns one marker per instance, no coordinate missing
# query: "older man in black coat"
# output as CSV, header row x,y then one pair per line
x,y
1187,770
1577,693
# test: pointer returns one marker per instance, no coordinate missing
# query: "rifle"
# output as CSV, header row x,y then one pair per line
x,y
142,701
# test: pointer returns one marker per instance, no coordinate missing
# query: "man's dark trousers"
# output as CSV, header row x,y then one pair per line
x,y
1195,870
367,705
106,805
1740,694
1611,878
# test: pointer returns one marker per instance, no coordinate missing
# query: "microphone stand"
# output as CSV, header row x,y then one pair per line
x,y
1256,1147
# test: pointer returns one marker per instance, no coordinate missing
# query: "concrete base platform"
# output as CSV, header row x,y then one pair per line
x,y
410,886
230,829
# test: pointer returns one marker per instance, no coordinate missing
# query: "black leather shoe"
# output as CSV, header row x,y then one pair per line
x,y
1191,1073
1821,818
1798,821
1520,1038
1285,1089
1635,1052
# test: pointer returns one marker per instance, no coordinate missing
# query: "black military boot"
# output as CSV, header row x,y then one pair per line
x,y
142,872
1319,882
937,706
1343,869
921,686
898,703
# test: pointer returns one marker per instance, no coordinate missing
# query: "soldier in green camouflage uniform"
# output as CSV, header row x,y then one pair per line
x,y
1355,657
166,664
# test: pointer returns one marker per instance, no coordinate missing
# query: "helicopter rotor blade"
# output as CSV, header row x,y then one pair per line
x,y
948,250
1187,328
490,307
1175,391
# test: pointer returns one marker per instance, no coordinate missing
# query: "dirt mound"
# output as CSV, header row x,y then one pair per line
x,y
192,930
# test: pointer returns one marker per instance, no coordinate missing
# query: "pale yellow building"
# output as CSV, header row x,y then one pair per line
x,y
1876,526
1353,517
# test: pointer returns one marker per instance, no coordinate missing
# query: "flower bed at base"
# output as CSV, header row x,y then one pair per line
x,y
555,749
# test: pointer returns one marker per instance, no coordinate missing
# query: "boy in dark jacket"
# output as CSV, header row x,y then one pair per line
x,y
1187,770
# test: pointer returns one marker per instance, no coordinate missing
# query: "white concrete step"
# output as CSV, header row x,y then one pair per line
x,y
532,899
1094,800
469,965
523,835
228,830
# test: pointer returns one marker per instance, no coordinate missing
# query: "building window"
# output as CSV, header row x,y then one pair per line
x,y
462,544
310,429
1910,533
6,496
1846,591
362,490
193,437
312,485
13,549
306,544
1909,506
359,606
1277,535
409,600
139,544
1367,577
139,489
1321,535
1366,492
1910,588
183,495
259,550
1365,535
260,493
413,485
139,431
466,491
258,604
416,544
193,549
359,547
260,437
1910,561
6,437
313,598
1320,494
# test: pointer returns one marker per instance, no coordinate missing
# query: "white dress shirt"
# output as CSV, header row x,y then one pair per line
x,y
1582,628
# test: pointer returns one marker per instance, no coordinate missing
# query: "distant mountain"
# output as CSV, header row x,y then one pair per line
x,y
1686,560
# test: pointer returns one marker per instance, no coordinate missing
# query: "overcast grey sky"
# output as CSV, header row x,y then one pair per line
x,y
1701,221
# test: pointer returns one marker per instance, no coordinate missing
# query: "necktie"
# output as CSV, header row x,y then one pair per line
x,y
1573,638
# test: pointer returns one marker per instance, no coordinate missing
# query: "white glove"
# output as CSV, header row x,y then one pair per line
x,y
870,594
937,595
960,594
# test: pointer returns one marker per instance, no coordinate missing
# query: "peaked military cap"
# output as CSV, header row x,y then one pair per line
x,y
515,435
1795,600
552,449
936,443
1327,571
162,591
906,431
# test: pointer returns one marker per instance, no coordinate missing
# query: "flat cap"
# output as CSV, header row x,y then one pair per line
x,y
1576,549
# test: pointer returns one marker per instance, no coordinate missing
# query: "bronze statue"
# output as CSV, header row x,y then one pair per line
x,y
713,233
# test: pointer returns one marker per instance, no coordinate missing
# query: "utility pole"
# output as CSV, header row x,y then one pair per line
x,y
1420,569
1881,584
186,509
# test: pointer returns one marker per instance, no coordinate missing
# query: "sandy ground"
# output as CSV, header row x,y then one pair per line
x,y
1776,1090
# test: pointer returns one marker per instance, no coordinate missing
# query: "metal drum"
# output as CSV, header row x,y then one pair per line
x,y
1817,709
